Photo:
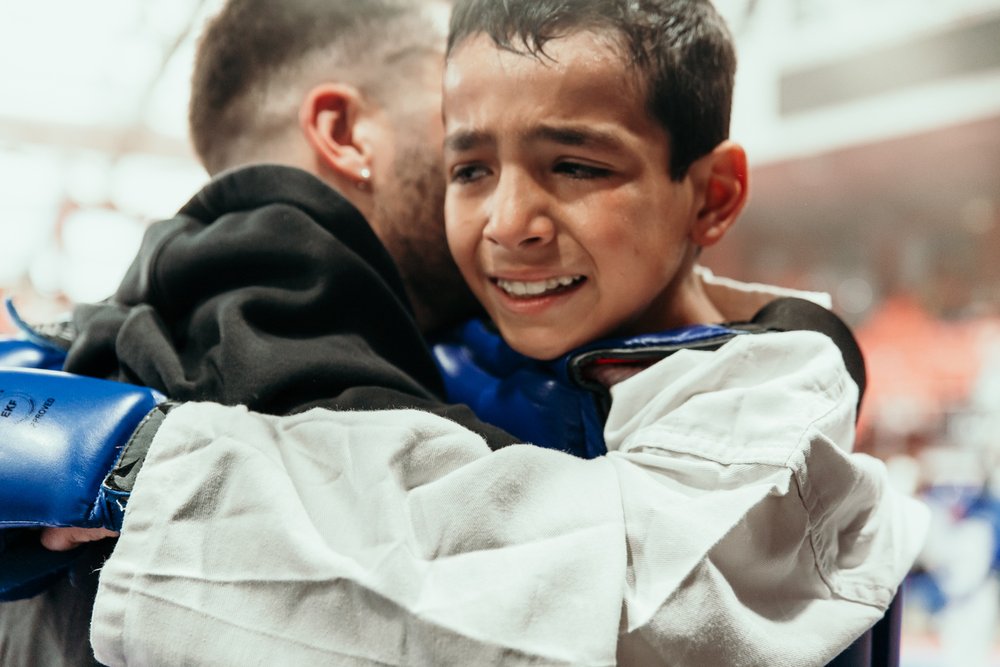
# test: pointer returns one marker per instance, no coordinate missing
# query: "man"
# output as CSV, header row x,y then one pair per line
x,y
345,97
313,149
396,537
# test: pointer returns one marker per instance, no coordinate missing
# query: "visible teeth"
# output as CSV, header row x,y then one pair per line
x,y
519,288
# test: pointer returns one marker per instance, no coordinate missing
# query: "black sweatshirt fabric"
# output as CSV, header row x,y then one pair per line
x,y
269,290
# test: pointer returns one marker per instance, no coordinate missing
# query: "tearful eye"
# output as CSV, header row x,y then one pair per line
x,y
468,173
581,171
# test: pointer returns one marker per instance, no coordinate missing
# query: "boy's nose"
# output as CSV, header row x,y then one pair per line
x,y
519,217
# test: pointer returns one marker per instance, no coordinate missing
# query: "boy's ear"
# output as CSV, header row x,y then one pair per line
x,y
725,192
330,117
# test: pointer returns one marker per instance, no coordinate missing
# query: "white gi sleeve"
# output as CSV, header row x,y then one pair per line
x,y
754,536
727,527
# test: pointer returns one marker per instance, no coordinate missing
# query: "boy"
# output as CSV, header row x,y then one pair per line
x,y
588,164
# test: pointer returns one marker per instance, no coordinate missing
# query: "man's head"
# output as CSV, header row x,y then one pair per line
x,y
587,161
350,91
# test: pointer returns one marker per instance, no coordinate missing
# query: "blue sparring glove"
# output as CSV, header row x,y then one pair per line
x,y
559,404
37,346
70,447
525,397
563,404
21,353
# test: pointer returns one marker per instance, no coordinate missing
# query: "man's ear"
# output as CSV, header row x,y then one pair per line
x,y
329,118
725,192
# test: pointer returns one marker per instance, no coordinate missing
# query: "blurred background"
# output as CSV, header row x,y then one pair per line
x,y
873,131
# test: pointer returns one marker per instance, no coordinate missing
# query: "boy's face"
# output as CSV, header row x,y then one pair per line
x,y
560,210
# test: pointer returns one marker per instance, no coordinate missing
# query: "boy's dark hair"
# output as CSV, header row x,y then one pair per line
x,y
682,50
252,47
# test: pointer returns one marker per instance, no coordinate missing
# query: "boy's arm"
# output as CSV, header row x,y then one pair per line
x,y
727,527
749,447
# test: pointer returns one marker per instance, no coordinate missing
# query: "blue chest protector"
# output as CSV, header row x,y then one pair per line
x,y
555,404
561,405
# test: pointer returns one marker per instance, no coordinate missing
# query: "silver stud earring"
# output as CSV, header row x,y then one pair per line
x,y
366,173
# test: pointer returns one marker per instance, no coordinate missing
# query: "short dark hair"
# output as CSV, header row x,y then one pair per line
x,y
682,50
252,46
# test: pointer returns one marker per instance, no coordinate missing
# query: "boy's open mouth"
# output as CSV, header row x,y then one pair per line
x,y
533,289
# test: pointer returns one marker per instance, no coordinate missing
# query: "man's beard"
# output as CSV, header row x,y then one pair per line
x,y
412,215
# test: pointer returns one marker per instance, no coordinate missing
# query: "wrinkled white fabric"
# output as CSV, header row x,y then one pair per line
x,y
739,301
728,525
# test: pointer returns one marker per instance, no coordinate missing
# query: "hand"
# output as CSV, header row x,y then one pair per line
x,y
64,539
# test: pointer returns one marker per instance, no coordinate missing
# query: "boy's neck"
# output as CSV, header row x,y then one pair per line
x,y
683,303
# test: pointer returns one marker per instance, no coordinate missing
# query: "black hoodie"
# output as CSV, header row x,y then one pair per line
x,y
269,290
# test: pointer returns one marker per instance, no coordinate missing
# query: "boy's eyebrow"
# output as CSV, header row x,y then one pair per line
x,y
575,136
467,140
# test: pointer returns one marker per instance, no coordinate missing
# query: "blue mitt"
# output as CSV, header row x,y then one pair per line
x,y
69,451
